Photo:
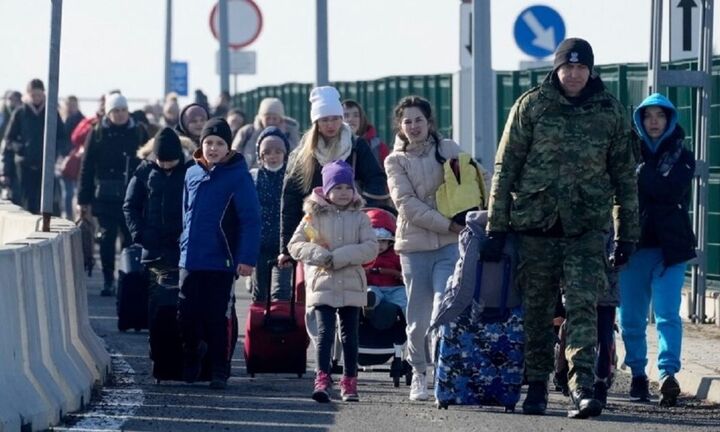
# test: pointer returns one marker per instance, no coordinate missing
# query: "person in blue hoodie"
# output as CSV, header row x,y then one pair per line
x,y
220,241
657,269
273,149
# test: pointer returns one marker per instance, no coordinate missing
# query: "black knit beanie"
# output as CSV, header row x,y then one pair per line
x,y
167,145
574,50
218,127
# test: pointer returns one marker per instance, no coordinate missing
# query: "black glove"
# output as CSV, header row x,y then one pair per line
x,y
493,247
622,252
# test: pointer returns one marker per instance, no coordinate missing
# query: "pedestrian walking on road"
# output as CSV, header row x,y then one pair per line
x,y
355,117
23,148
327,140
656,271
334,240
564,167
192,119
271,112
153,207
273,149
109,162
219,242
425,239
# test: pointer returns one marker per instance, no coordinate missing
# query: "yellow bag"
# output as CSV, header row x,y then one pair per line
x,y
463,188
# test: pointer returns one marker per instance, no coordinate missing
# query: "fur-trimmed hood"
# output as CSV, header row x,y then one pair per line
x,y
316,203
146,151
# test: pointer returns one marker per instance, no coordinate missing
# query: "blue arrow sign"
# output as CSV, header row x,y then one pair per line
x,y
179,78
539,30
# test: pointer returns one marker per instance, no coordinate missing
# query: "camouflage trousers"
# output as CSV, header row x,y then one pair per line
x,y
579,264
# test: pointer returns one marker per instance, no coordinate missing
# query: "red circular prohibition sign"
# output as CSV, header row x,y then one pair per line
x,y
237,46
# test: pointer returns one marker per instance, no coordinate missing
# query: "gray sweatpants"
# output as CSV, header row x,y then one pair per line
x,y
425,275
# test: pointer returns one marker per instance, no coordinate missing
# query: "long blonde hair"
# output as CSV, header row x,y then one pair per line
x,y
303,169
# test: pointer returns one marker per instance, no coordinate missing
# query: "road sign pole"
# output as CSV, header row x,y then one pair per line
x,y
482,83
47,192
168,44
224,53
321,44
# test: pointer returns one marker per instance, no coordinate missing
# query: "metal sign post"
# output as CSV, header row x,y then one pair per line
x,y
700,80
224,54
321,44
47,192
168,46
482,83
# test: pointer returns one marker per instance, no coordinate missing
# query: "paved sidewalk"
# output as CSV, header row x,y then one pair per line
x,y
700,372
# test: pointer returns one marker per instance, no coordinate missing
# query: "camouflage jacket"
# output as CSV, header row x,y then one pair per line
x,y
569,162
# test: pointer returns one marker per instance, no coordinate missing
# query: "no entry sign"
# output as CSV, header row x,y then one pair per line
x,y
244,22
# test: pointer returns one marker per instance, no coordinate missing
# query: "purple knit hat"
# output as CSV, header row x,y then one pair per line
x,y
336,173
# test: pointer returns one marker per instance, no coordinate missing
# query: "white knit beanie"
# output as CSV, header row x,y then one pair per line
x,y
115,101
325,103
271,106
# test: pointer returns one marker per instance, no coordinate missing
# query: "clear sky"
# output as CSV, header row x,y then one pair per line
x,y
120,43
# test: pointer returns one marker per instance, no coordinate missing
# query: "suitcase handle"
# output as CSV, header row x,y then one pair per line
x,y
272,264
507,269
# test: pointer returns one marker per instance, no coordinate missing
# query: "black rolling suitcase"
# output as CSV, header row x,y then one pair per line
x,y
132,293
166,350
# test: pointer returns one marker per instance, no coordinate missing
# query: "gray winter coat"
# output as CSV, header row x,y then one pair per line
x,y
461,286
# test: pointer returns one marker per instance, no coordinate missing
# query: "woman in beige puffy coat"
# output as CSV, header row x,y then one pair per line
x,y
425,239
334,240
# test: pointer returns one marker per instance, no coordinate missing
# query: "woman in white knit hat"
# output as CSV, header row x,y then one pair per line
x,y
271,112
327,140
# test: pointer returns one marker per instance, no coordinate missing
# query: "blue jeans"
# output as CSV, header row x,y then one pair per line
x,y
425,274
646,278
391,294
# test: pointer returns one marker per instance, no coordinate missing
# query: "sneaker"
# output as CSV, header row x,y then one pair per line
x,y
323,383
418,387
640,388
584,404
108,289
193,363
600,392
669,391
218,384
348,389
537,398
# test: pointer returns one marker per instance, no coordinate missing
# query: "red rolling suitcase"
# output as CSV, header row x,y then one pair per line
x,y
276,340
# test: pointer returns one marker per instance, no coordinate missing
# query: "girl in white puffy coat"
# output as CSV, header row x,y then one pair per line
x,y
334,240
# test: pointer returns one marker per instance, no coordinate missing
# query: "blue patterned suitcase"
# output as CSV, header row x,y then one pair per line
x,y
480,354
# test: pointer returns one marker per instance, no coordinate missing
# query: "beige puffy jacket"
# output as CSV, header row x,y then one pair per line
x,y
334,244
414,175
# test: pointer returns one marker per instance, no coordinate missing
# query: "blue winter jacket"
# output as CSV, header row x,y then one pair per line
x,y
221,220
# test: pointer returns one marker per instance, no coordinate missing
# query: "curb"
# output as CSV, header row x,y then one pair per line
x,y
695,380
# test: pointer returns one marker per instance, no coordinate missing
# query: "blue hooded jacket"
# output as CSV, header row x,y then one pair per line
x,y
221,220
655,99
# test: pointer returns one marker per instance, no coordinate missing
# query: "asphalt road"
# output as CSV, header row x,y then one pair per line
x,y
132,401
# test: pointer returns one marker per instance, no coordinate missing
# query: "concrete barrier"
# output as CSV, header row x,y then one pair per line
x,y
50,357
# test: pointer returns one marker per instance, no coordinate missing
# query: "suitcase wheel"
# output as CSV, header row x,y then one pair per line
x,y
510,409
300,374
252,375
138,329
396,381
441,405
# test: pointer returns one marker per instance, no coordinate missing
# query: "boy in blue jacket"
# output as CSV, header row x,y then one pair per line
x,y
220,241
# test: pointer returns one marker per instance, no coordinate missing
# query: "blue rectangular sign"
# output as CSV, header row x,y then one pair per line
x,y
179,78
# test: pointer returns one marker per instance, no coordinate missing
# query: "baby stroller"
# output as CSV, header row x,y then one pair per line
x,y
381,332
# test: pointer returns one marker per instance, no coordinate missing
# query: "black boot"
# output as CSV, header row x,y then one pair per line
x,y
669,391
600,391
640,388
584,404
537,398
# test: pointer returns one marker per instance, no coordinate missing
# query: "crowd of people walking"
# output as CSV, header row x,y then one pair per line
x,y
596,205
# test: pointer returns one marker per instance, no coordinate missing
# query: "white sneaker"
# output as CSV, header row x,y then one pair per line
x,y
418,387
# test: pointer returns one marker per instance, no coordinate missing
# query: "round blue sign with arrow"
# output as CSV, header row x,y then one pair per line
x,y
539,30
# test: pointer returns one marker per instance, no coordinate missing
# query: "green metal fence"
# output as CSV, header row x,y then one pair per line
x,y
627,81
377,97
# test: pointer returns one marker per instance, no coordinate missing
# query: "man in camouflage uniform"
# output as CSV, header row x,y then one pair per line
x,y
564,162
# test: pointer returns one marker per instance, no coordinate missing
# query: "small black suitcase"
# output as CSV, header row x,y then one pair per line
x,y
132,293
